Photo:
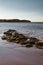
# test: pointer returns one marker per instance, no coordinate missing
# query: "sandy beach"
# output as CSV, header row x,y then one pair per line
x,y
13,54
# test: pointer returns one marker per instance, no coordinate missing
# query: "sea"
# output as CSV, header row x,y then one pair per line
x,y
31,28
15,54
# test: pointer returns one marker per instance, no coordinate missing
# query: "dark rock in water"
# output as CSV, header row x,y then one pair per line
x,y
9,38
4,37
25,42
17,40
9,32
28,45
33,40
14,36
21,36
39,45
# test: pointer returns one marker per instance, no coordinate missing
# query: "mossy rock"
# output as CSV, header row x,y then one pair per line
x,y
23,43
26,42
9,32
33,40
17,40
28,45
13,38
9,39
21,36
39,45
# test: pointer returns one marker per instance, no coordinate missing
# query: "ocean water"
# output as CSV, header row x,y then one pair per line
x,y
14,54
33,28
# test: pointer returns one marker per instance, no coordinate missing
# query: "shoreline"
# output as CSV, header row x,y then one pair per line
x,y
14,54
10,55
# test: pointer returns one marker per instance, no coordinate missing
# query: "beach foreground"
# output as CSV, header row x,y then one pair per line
x,y
14,54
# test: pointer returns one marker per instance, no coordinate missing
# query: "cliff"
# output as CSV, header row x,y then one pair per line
x,y
14,20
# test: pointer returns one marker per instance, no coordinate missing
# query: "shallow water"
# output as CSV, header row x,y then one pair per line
x,y
35,29
14,54
11,55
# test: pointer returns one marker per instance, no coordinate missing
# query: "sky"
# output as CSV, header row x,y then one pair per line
x,y
22,9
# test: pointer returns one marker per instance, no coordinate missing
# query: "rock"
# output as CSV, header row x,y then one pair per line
x,y
10,35
4,37
13,35
27,41
20,38
28,45
39,44
17,40
8,38
9,32
33,40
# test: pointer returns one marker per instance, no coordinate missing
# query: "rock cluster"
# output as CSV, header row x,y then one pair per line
x,y
39,44
14,36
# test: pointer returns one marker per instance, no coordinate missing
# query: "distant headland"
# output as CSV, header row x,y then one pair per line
x,y
14,20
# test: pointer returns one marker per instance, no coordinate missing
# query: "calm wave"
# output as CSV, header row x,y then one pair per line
x,y
35,29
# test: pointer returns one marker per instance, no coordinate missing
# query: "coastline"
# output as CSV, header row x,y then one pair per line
x,y
14,20
10,55
15,54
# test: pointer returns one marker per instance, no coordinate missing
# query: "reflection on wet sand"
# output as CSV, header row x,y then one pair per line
x,y
13,54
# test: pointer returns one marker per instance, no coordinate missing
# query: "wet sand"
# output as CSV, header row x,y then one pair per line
x,y
13,54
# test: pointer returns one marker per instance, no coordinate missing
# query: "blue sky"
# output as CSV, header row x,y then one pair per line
x,y
22,9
